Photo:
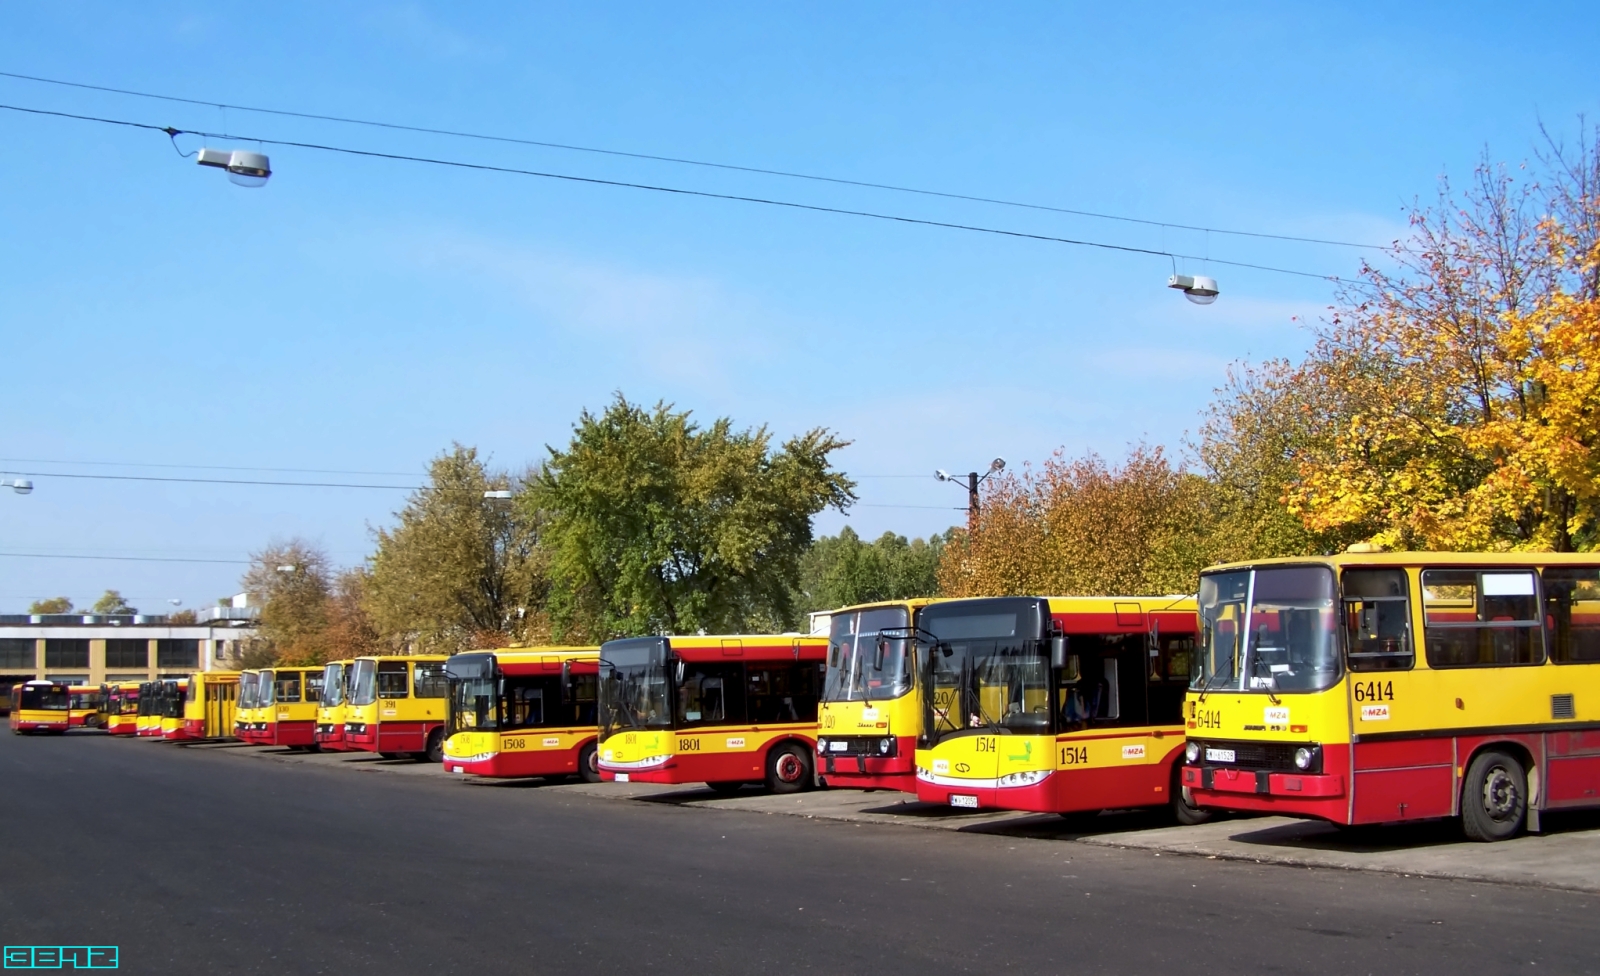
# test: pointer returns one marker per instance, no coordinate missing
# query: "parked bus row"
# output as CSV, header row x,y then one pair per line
x,y
1357,689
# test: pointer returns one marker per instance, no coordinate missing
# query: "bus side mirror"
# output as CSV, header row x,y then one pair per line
x,y
946,649
1058,652
679,673
879,654
566,679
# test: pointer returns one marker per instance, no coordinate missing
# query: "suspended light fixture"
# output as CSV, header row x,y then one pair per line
x,y
1196,288
244,168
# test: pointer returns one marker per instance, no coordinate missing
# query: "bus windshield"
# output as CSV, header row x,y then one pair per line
x,y
332,689
988,668
472,693
634,692
364,683
50,698
1268,630
247,691
855,673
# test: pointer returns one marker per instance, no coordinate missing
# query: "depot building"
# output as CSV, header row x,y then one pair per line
x,y
92,649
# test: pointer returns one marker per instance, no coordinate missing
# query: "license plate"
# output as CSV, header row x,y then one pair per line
x,y
1219,755
457,769
622,777
957,800
838,746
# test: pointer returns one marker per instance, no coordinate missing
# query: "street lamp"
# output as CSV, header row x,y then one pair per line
x,y
500,495
973,480
244,168
21,486
1196,288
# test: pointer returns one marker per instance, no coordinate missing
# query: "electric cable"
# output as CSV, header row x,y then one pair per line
x,y
787,174
706,194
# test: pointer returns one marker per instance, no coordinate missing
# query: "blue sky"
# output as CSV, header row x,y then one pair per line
x,y
359,315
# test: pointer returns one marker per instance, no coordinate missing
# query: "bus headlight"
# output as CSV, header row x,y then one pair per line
x,y
1191,752
1029,778
884,745
1305,757
822,746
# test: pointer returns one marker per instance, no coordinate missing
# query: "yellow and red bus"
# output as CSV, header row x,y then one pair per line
x,y
1373,687
246,710
1068,705
208,706
331,709
286,701
40,706
870,715
173,693
397,706
148,721
524,711
88,706
725,711
122,708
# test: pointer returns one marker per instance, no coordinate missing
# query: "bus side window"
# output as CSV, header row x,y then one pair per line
x,y
1377,617
288,686
1481,618
1572,613
431,681
393,681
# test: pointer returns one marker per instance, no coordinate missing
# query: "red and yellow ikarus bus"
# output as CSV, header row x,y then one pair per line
x,y
725,711
40,706
331,709
523,711
173,693
287,699
147,723
397,706
1068,705
246,710
871,715
122,708
1373,687
208,706
88,706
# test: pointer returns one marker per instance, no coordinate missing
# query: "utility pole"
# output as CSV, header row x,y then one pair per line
x,y
974,479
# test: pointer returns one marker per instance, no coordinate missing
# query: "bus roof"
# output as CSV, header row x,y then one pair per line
x,y
914,603
1112,614
1410,558
402,657
749,647
543,660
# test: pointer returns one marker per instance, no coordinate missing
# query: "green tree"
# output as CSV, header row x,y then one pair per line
x,y
111,602
841,570
55,604
657,525
459,570
291,582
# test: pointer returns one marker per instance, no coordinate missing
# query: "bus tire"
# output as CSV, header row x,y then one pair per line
x,y
726,788
589,764
1494,797
788,769
1183,809
434,752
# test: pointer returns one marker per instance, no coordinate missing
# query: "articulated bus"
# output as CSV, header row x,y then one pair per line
x,y
870,714
397,706
725,711
40,706
286,706
244,709
88,704
1375,687
148,720
1068,705
122,708
173,693
526,711
208,706
331,709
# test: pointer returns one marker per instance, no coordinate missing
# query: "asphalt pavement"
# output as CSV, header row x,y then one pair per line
x,y
207,860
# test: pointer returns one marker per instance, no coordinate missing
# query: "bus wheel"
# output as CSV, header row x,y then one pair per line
x,y
435,750
589,764
788,769
1183,809
1494,798
725,789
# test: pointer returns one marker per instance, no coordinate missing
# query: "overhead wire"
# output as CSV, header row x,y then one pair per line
x,y
173,133
787,174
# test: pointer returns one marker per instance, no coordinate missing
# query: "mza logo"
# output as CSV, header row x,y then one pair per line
x,y
60,957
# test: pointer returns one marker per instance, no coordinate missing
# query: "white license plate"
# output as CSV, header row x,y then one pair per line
x,y
622,777
838,746
457,769
1219,755
958,800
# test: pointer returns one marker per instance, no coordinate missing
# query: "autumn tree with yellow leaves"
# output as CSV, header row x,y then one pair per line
x,y
1453,403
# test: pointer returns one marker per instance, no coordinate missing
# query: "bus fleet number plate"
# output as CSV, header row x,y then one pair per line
x,y
957,800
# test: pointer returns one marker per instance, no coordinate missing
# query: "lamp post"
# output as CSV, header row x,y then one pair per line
x,y
973,480
21,486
